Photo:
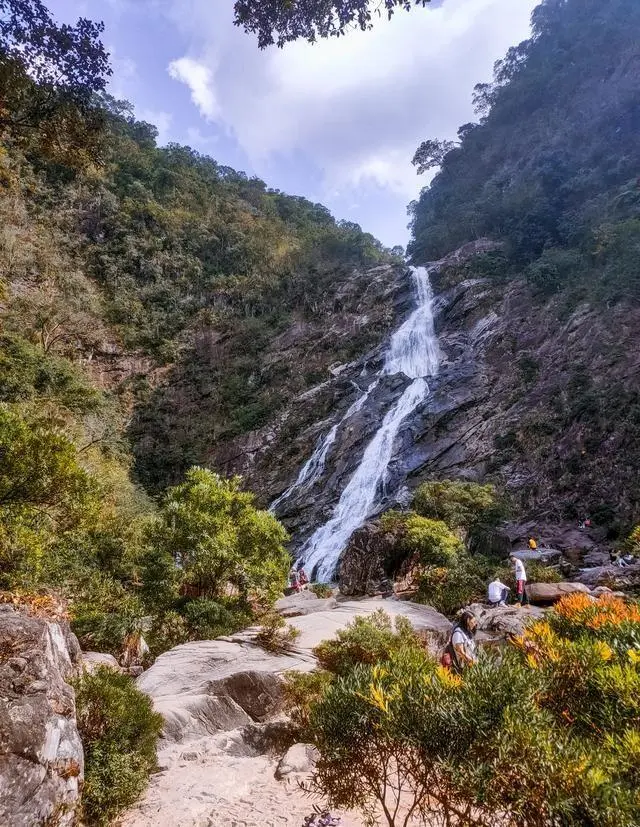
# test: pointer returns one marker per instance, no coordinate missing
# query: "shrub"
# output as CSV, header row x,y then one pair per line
x,y
302,690
275,635
367,640
547,734
207,619
460,505
449,589
119,731
168,630
322,590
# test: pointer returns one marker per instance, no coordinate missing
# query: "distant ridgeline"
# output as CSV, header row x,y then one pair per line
x,y
553,166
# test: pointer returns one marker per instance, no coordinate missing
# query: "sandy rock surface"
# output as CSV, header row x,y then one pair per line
x,y
211,694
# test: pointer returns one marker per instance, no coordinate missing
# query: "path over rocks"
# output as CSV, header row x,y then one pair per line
x,y
211,694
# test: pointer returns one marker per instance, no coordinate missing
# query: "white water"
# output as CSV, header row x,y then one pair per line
x,y
314,466
413,351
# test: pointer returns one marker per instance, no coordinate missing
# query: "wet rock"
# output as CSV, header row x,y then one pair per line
x,y
547,593
368,563
41,757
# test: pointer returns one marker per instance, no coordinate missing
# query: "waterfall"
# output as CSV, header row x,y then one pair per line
x,y
413,350
314,466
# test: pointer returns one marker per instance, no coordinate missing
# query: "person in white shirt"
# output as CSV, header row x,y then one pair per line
x,y
462,646
521,578
497,593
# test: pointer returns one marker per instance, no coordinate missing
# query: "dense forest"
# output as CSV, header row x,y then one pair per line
x,y
552,166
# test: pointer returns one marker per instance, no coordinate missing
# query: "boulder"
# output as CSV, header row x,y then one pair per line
x,y
41,757
300,759
303,603
92,660
367,563
218,685
497,623
546,556
547,593
614,577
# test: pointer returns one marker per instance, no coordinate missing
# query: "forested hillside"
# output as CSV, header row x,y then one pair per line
x,y
552,166
122,265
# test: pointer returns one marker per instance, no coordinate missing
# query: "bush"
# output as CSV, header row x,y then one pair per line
x,y
119,731
450,589
461,505
207,619
302,690
322,590
547,734
368,640
275,635
169,629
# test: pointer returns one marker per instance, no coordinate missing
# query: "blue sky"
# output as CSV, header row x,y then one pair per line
x,y
337,122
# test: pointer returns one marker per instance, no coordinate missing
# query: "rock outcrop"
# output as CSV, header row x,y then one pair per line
x,y
41,757
495,624
221,702
547,593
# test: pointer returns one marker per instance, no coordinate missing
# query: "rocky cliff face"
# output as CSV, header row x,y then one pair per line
x,y
540,397
41,757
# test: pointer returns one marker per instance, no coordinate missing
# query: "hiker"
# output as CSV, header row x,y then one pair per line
x,y
521,578
461,649
497,593
532,544
294,580
304,580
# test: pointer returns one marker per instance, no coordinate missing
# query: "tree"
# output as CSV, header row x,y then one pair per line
x,y
44,491
275,21
212,533
431,154
50,75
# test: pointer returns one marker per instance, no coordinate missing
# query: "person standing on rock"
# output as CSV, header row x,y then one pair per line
x,y
532,544
521,578
497,592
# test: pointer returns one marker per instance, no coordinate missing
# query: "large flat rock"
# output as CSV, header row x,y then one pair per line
x,y
208,686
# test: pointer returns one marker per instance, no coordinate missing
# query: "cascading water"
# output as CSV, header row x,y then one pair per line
x,y
314,466
413,351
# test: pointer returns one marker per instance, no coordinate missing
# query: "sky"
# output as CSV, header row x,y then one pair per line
x,y
337,121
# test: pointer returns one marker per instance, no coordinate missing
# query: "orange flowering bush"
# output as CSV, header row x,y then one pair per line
x,y
610,619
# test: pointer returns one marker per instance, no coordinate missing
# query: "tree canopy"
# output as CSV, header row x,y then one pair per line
x,y
278,22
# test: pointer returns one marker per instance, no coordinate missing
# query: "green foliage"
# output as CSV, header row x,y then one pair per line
x,y
275,634
216,537
302,690
461,505
432,540
322,590
275,22
450,589
207,619
533,735
119,731
551,167
368,640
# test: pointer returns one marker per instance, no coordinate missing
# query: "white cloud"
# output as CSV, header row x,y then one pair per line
x,y
356,106
199,78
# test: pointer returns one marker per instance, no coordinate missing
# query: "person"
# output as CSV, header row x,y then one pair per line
x,y
304,580
461,649
532,544
521,578
497,592
294,580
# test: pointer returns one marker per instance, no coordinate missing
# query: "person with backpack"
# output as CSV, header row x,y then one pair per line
x,y
521,578
461,651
